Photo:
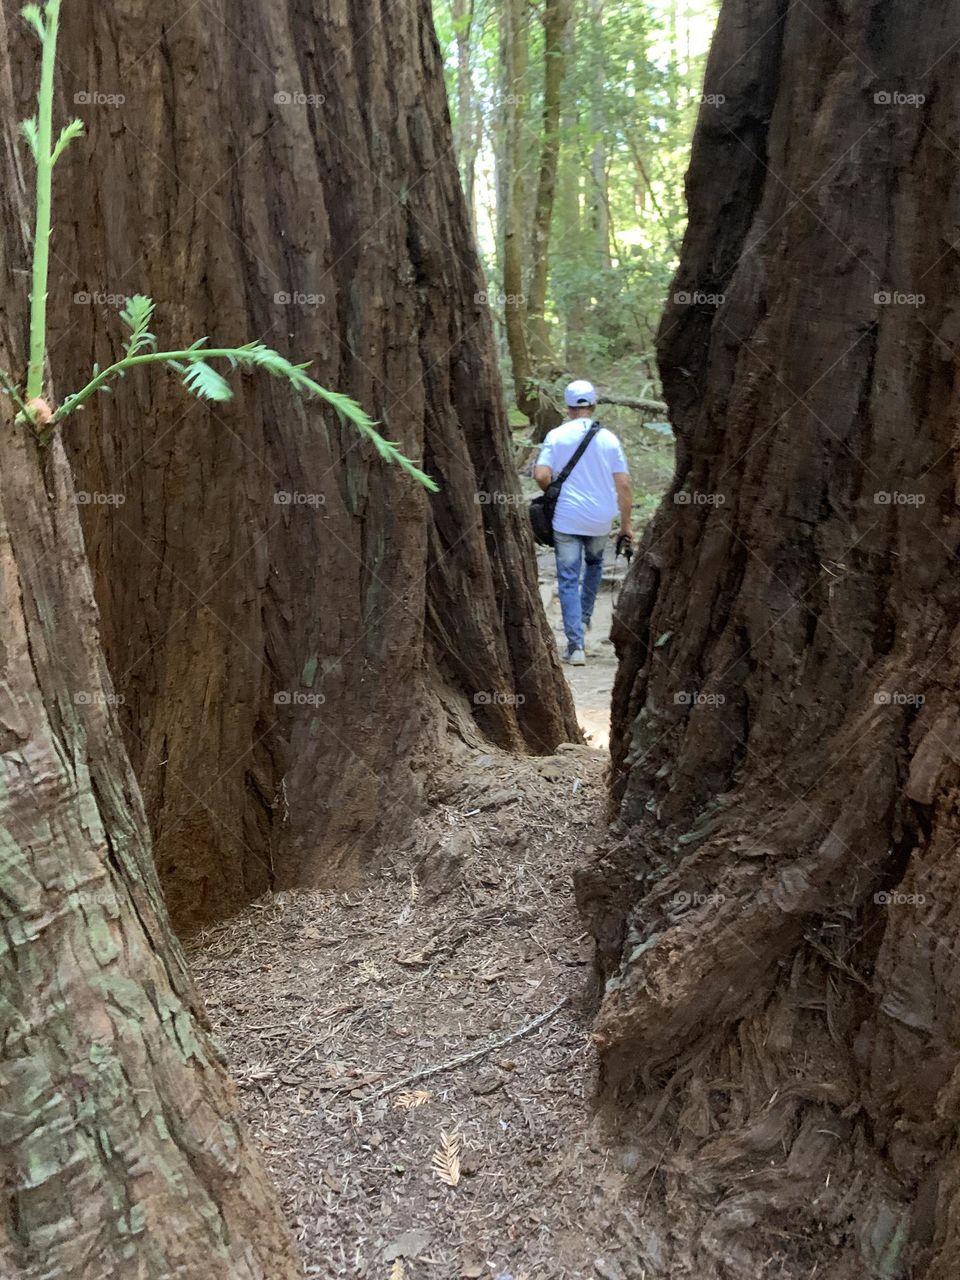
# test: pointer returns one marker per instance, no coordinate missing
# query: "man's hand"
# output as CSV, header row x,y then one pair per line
x,y
625,544
624,503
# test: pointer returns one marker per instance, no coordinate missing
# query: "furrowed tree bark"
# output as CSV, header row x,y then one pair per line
x,y
777,917
291,623
121,1152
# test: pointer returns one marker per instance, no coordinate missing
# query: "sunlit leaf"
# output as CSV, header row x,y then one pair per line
x,y
67,134
205,383
31,14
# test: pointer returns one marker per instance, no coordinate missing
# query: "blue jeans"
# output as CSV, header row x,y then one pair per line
x,y
576,600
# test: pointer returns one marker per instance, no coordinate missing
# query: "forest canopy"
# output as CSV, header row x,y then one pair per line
x,y
621,116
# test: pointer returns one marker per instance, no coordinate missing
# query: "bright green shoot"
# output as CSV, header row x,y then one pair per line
x,y
191,364
39,135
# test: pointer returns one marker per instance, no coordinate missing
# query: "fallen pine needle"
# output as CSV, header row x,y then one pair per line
x,y
418,1098
446,1159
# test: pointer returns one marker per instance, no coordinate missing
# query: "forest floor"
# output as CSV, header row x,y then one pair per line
x,y
323,1001
326,1003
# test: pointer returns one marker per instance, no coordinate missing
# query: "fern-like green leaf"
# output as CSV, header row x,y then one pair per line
x,y
205,383
136,315
255,355
67,134
29,130
31,14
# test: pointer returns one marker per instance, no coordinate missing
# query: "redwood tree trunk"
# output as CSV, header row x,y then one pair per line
x,y
779,920
285,172
121,1152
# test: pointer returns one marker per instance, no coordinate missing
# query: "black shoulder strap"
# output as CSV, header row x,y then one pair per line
x,y
564,475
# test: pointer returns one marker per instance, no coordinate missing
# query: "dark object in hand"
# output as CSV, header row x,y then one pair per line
x,y
625,546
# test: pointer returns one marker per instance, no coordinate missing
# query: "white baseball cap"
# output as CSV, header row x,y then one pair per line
x,y
580,394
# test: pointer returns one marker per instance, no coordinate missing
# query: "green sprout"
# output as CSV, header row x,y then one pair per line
x,y
193,363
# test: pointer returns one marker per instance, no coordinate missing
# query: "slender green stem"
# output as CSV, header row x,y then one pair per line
x,y
244,356
41,241
73,402
10,387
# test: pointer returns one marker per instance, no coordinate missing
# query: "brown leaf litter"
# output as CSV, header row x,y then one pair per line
x,y
333,1008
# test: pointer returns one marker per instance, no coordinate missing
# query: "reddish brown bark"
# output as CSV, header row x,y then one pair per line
x,y
301,150
778,922
121,1152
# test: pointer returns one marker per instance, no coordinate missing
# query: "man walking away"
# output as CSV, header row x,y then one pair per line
x,y
597,490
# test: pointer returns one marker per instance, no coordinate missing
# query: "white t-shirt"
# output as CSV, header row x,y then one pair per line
x,y
588,500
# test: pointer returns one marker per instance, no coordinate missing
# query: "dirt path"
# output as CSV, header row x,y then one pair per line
x,y
323,1000
592,685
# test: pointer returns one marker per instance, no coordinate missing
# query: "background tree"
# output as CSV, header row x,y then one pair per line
x,y
467,136
292,626
631,82
779,923
121,1152
557,17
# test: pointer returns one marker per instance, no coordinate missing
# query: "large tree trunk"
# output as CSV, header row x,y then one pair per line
x,y
121,1153
285,172
779,923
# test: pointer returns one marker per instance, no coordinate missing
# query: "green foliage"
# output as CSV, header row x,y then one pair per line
x,y
29,130
31,14
137,315
204,381
192,364
67,134
630,101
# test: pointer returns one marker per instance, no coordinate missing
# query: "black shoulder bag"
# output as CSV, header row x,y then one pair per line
x,y
542,508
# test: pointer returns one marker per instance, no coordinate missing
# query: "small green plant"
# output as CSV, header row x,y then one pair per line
x,y
192,364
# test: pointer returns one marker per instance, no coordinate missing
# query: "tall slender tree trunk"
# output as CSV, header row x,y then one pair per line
x,y
293,625
599,196
121,1153
570,223
570,244
779,919
467,139
557,17
514,59
514,53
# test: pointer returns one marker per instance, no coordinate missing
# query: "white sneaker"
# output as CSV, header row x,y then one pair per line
x,y
577,658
